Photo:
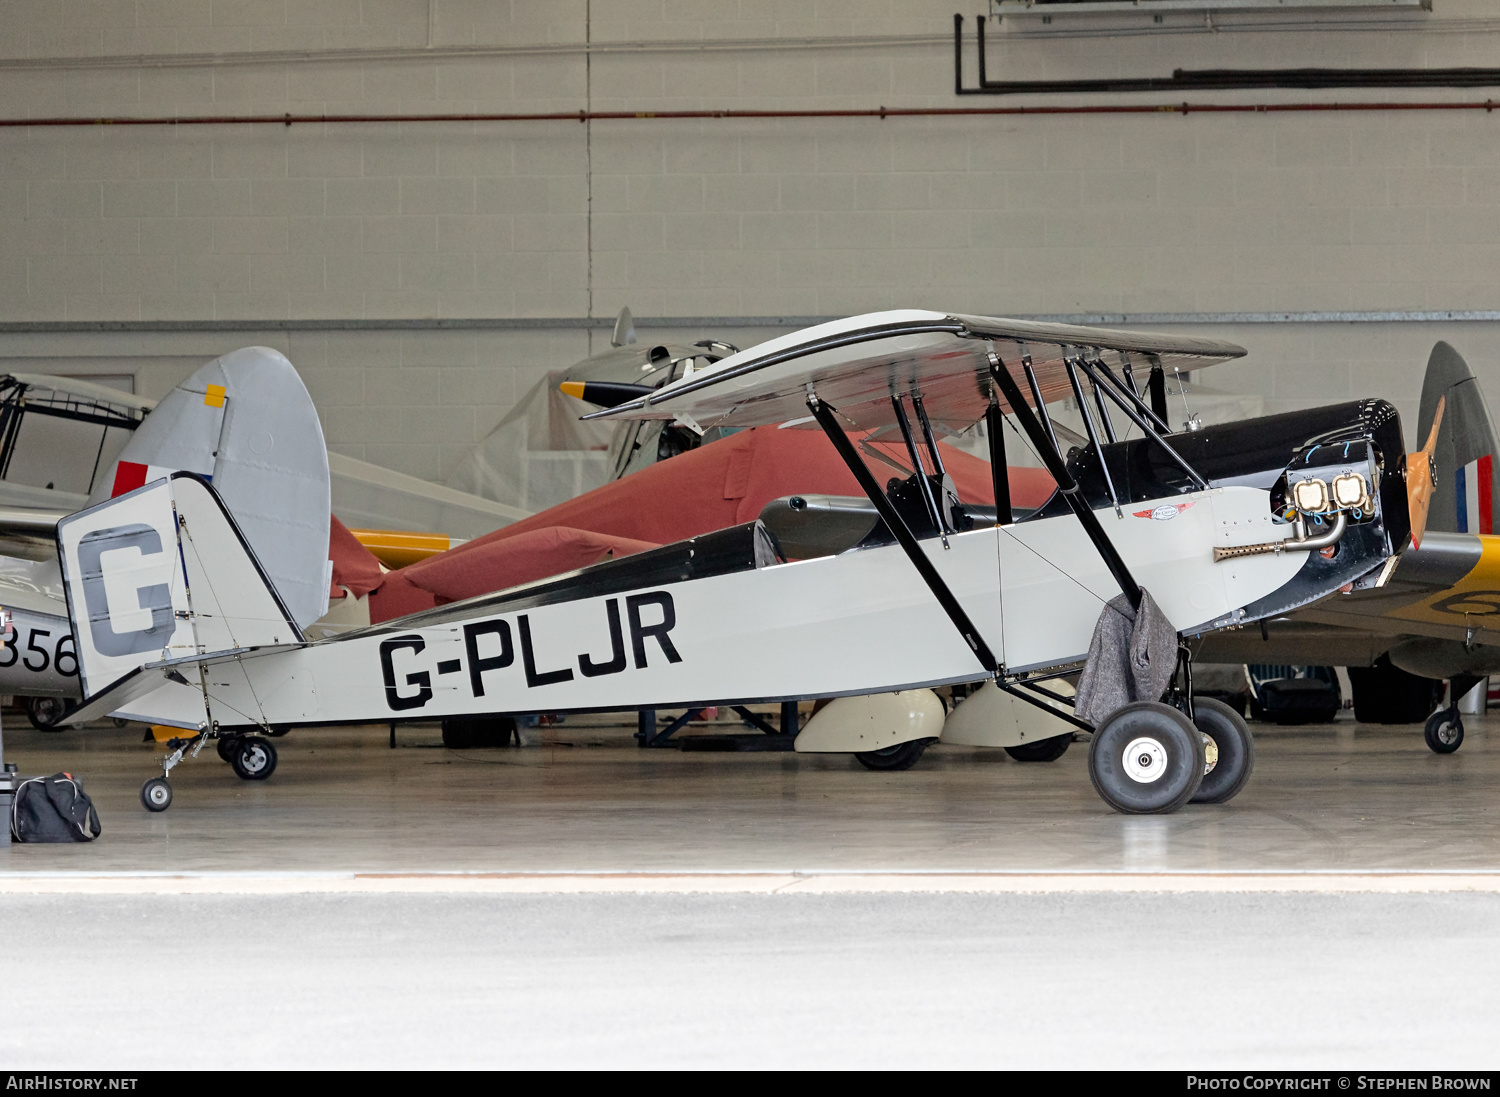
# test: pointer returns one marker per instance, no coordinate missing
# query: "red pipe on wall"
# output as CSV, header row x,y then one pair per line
x,y
1486,105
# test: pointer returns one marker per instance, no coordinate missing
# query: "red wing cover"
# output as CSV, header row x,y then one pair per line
x,y
354,566
731,481
710,488
500,565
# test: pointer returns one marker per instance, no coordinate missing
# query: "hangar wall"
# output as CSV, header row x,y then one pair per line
x,y
113,239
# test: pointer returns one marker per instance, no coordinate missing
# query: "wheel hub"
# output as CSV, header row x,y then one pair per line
x,y
1145,760
1446,733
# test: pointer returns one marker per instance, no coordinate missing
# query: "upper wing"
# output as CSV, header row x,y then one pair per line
x,y
858,364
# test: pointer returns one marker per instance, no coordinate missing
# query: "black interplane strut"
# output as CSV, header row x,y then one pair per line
x,y
1065,482
823,413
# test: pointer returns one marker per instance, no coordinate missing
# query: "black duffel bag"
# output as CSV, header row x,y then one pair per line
x,y
53,809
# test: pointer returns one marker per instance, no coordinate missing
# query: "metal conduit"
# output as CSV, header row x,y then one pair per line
x,y
1486,105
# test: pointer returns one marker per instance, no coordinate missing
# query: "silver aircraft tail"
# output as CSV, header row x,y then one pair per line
x,y
1468,475
246,423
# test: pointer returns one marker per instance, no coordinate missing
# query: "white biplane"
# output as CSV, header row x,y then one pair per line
x,y
178,623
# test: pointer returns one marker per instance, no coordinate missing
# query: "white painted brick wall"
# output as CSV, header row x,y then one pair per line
x,y
1158,213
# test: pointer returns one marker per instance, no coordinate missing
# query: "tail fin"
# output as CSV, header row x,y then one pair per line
x,y
246,422
159,574
1468,474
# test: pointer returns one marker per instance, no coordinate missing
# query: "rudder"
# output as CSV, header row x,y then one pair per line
x,y
163,573
1468,475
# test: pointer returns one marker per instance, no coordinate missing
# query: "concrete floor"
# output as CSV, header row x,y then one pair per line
x,y
1185,982
275,970
1336,797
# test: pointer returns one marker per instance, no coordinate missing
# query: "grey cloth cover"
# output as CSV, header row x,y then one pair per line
x,y
1131,658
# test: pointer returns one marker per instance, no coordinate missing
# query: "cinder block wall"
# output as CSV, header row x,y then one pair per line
x,y
259,226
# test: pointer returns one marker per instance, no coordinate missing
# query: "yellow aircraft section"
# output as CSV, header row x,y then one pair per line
x,y
1472,602
397,548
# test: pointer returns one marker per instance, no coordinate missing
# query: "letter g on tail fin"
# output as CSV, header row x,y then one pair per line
x,y
163,573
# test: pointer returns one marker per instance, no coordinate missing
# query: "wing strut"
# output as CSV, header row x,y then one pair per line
x,y
1129,390
1071,365
994,425
1139,420
1156,385
1052,458
928,501
823,413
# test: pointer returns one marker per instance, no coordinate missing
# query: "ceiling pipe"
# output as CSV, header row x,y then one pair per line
x,y
1486,105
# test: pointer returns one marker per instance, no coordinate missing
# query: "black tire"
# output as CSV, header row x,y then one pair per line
x,y
1444,731
45,712
226,745
1236,751
1043,750
901,756
156,794
117,722
1165,763
254,759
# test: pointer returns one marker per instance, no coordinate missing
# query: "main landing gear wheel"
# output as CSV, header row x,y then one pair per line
x,y
156,794
1444,731
45,712
1236,759
226,745
254,758
1044,750
900,756
1146,759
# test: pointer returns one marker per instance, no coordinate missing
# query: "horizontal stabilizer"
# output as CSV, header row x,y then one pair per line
x,y
119,693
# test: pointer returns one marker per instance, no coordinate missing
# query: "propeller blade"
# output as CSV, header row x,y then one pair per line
x,y
1420,479
606,394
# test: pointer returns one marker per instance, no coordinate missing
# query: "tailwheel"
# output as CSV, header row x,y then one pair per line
x,y
1146,758
254,758
1044,750
1444,731
1236,751
45,712
901,756
156,794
